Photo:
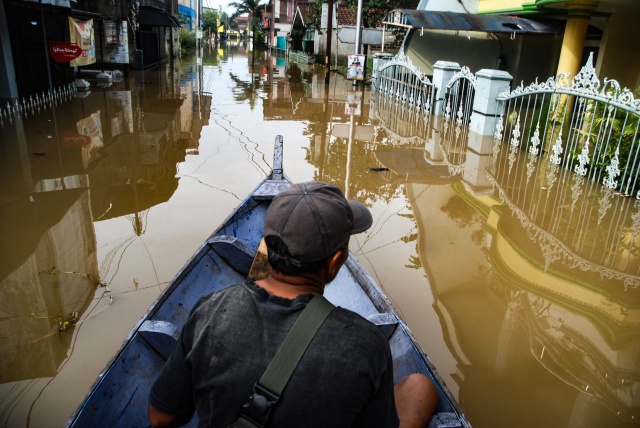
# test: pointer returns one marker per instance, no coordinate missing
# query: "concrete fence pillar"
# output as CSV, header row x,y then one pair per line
x,y
443,71
486,110
379,59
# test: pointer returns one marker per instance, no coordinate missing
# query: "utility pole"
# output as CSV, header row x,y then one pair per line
x,y
358,34
327,54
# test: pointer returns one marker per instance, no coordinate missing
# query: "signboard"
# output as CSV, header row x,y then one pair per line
x,y
81,33
353,106
118,52
324,17
355,67
370,36
63,51
198,34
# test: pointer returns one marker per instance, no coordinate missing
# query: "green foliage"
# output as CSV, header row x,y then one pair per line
x,y
187,41
619,128
374,10
314,12
210,21
255,11
252,7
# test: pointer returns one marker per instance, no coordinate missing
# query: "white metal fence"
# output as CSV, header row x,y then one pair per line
x,y
587,127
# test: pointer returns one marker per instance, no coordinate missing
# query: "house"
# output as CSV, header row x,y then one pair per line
x,y
303,33
27,27
615,49
528,39
306,37
279,19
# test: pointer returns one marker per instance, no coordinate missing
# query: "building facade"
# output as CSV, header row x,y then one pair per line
x,y
112,36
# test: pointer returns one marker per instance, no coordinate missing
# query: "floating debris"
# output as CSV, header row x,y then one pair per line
x,y
378,169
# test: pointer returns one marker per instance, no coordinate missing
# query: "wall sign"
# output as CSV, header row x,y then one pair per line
x,y
63,51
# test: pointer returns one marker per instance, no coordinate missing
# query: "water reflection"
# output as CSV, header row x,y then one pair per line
x,y
105,154
518,282
534,274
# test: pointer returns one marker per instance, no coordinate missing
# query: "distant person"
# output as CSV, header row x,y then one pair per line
x,y
345,378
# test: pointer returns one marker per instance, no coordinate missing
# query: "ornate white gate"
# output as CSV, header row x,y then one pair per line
x,y
588,128
459,96
401,82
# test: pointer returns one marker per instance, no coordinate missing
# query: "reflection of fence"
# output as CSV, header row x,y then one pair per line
x,y
301,57
589,129
576,222
403,125
36,103
399,80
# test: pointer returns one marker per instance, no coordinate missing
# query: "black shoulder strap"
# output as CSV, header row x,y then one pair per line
x,y
266,392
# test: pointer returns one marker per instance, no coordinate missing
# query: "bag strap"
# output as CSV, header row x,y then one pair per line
x,y
266,392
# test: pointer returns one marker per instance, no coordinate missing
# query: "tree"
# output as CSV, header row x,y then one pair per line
x,y
314,12
251,7
210,22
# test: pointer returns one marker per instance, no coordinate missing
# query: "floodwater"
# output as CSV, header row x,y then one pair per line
x,y
519,280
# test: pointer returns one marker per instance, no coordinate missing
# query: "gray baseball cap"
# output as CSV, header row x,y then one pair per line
x,y
314,219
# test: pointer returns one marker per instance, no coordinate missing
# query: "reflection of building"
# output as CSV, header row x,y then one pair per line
x,y
535,285
285,100
142,34
139,170
195,111
113,153
518,330
35,303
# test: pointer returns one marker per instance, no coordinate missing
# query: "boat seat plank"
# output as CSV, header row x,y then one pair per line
x,y
233,252
269,189
386,322
162,336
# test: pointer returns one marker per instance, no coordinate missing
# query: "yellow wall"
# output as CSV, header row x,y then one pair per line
x,y
618,58
495,5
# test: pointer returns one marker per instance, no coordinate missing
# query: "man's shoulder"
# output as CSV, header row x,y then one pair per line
x,y
211,301
359,328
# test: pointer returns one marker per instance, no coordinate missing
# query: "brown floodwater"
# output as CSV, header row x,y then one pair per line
x,y
518,279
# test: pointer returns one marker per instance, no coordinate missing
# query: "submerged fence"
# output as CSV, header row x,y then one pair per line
x,y
587,127
399,81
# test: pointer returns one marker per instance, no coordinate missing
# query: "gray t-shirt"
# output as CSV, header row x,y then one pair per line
x,y
345,378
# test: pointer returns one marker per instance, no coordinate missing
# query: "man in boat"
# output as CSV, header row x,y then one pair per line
x,y
344,378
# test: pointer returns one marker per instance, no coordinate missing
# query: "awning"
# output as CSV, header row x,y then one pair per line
x,y
156,18
430,20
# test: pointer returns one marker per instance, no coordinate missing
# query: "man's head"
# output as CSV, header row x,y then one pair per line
x,y
307,223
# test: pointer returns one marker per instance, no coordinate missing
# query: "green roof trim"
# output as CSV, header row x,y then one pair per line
x,y
542,6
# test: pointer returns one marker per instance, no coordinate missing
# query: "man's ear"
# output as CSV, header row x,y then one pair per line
x,y
335,262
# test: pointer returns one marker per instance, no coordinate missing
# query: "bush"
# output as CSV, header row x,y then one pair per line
x,y
187,41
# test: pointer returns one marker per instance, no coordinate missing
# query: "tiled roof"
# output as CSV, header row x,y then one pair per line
x,y
345,17
348,17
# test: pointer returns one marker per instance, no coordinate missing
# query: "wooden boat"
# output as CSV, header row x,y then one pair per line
x,y
119,395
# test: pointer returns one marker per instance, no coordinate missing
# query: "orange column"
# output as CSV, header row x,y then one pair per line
x,y
575,34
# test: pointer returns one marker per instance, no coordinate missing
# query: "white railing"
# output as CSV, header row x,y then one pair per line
x,y
590,128
400,81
